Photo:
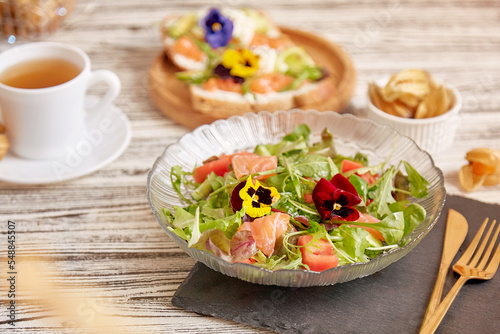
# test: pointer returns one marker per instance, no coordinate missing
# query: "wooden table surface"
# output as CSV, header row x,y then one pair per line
x,y
97,233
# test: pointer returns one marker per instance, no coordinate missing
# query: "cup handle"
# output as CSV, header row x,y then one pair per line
x,y
114,86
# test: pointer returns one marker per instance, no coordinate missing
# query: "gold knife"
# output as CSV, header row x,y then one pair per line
x,y
456,230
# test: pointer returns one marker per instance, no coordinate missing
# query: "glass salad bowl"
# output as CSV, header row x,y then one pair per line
x,y
351,135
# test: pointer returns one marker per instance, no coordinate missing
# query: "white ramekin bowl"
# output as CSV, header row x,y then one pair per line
x,y
434,134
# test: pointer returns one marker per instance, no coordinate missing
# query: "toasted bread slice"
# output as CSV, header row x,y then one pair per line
x,y
315,92
223,104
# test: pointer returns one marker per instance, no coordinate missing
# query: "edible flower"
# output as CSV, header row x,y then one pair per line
x,y
255,198
242,63
218,28
223,73
335,199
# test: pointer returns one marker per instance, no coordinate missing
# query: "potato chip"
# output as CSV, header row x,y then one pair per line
x,y
402,110
375,95
4,144
409,100
422,111
396,108
432,102
412,81
412,93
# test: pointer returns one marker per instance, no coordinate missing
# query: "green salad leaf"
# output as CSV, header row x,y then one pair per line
x,y
381,194
361,186
414,215
418,185
354,240
392,227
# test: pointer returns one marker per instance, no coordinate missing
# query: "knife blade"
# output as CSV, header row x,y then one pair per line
x,y
456,231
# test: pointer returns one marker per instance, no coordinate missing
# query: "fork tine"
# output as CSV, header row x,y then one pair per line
x,y
495,260
493,240
468,271
467,255
479,252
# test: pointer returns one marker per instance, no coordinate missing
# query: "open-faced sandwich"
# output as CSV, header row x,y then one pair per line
x,y
237,61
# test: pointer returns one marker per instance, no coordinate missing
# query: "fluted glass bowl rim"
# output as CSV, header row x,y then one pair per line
x,y
289,277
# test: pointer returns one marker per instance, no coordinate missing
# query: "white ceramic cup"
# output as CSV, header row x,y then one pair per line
x,y
41,123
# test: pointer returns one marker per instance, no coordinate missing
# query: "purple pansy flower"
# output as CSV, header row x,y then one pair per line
x,y
218,28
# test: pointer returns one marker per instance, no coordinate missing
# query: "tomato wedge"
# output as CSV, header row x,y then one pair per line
x,y
348,165
219,167
319,255
308,198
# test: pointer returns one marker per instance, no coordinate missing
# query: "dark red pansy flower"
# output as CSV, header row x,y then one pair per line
x,y
223,73
335,199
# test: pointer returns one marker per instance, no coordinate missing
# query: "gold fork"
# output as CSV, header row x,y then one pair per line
x,y
468,269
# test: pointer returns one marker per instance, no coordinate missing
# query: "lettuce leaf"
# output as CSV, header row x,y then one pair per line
x,y
211,183
301,131
414,215
243,246
418,185
361,187
195,229
182,218
392,227
180,233
354,240
177,176
293,143
217,243
313,166
326,146
381,194
229,224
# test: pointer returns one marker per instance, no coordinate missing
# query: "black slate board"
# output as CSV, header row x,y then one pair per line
x,y
393,300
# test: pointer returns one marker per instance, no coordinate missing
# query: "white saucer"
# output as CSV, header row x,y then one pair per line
x,y
108,135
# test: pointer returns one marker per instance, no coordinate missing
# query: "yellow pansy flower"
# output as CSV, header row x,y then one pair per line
x,y
257,199
240,63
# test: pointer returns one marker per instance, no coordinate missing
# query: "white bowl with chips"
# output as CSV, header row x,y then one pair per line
x,y
433,134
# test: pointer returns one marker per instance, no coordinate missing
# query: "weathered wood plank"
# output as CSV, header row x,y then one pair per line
x,y
98,230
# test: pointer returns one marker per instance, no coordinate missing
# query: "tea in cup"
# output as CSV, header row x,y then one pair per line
x,y
42,94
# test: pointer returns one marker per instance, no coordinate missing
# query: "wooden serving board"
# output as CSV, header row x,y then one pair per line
x,y
172,96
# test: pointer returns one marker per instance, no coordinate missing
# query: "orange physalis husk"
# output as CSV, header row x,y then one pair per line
x,y
483,169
